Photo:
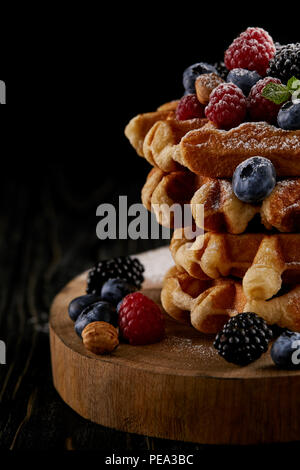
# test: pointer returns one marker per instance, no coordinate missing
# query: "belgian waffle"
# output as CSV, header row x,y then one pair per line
x,y
215,152
223,211
162,190
162,142
263,261
207,305
198,145
138,127
246,253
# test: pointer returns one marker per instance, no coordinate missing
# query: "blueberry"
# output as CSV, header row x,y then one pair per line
x,y
289,116
285,351
119,305
254,179
78,304
244,79
114,290
192,72
101,311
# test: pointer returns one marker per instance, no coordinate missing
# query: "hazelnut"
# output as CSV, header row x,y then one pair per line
x,y
205,84
100,337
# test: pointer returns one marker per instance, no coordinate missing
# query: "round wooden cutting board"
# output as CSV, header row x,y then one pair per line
x,y
176,389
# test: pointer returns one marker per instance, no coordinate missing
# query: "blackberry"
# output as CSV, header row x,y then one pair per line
x,y
124,267
286,62
221,69
278,46
244,339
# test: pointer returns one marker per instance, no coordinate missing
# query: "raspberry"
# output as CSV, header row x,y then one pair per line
x,y
140,320
227,106
189,108
252,50
260,108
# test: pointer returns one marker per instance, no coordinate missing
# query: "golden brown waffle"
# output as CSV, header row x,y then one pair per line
x,y
138,127
207,305
162,142
263,261
282,208
216,153
223,211
165,189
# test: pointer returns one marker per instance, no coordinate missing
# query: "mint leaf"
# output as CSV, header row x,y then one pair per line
x,y
276,92
293,84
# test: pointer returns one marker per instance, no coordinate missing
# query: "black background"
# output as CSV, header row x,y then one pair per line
x,y
74,79
80,75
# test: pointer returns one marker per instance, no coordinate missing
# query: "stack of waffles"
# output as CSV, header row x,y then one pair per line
x,y
248,257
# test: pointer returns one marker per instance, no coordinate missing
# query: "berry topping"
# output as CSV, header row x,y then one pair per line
x,y
189,108
114,290
252,50
285,351
101,311
289,116
78,304
192,72
254,179
244,339
227,106
260,108
124,267
244,79
286,62
140,320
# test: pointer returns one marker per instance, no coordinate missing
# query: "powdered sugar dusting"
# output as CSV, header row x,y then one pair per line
x,y
157,262
278,140
263,137
209,81
287,185
192,345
